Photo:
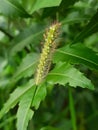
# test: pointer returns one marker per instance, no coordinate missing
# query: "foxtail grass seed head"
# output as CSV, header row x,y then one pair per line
x,y
47,52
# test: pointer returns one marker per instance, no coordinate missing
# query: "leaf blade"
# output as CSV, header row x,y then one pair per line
x,y
27,66
15,97
24,113
64,73
39,96
38,4
26,40
89,29
12,8
77,53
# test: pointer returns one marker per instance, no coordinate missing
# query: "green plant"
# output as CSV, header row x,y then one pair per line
x,y
25,23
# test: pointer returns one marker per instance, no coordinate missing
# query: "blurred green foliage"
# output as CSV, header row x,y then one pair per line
x,y
67,99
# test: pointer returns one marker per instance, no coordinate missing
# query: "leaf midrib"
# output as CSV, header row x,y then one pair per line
x,y
25,117
14,49
7,1
26,68
78,57
16,100
88,30
59,74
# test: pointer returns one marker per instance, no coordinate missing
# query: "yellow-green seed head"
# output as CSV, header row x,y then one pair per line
x,y
46,55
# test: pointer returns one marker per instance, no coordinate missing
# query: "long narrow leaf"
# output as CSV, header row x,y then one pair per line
x,y
12,8
15,97
32,38
90,28
39,95
38,4
77,53
27,67
24,113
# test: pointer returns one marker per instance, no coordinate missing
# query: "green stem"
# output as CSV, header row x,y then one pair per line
x,y
72,110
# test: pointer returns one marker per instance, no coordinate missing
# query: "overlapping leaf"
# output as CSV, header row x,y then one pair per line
x,y
15,97
27,66
74,17
38,4
90,28
77,53
64,73
25,41
24,113
32,98
27,96
12,8
39,95
61,9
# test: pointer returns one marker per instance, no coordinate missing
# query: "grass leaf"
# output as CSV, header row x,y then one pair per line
x,y
89,29
77,53
27,66
24,113
12,8
38,4
25,41
15,97
40,94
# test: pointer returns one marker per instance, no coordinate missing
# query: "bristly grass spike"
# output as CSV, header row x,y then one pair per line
x,y
48,49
